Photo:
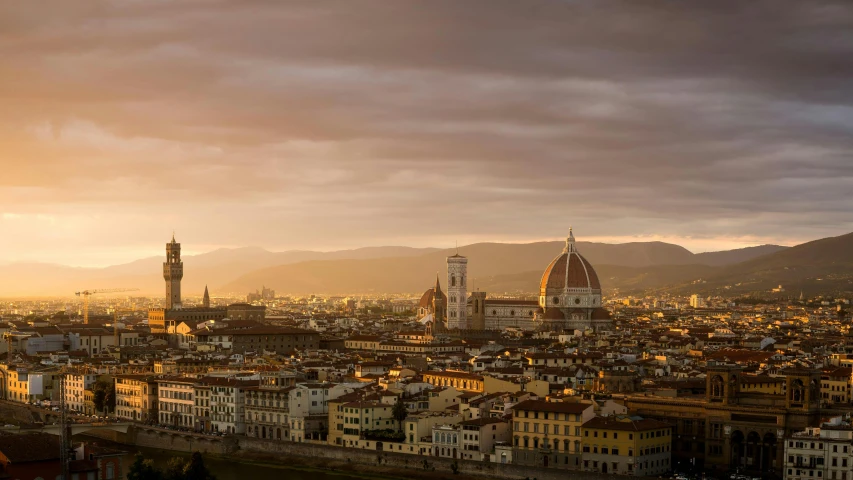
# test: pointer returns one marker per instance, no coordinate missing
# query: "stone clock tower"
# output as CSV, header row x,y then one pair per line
x,y
173,272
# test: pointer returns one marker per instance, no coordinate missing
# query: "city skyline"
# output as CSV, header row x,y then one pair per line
x,y
345,125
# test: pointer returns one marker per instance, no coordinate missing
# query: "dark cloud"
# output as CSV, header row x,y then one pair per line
x,y
285,124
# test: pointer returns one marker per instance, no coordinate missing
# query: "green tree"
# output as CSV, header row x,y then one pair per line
x,y
400,412
196,470
175,469
105,396
110,398
143,469
100,397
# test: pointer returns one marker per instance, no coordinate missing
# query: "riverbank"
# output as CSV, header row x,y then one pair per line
x,y
350,469
383,461
258,466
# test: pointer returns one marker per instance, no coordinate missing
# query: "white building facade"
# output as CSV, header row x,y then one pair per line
x,y
76,385
176,402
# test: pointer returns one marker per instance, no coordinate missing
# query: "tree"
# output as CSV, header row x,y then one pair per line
x,y
110,398
400,412
195,469
100,397
105,396
175,469
143,469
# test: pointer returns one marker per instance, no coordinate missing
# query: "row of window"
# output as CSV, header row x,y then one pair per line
x,y
793,444
550,415
567,430
643,435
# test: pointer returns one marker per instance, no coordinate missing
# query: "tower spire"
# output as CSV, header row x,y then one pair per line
x,y
206,301
437,284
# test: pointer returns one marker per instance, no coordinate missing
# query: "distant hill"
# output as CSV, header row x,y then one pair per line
x,y
495,267
817,267
613,278
730,257
213,268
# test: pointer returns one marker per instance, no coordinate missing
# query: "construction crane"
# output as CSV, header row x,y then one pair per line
x,y
87,293
10,336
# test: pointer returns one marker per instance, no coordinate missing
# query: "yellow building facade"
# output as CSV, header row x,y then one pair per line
x,y
626,446
548,434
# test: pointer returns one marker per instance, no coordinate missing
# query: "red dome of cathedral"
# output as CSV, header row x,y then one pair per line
x,y
569,270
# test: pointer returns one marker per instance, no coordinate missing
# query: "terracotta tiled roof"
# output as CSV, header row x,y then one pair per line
x,y
37,447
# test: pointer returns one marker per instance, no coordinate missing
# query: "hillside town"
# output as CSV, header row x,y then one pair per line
x,y
566,379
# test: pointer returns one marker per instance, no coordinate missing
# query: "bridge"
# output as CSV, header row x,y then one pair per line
x,y
75,428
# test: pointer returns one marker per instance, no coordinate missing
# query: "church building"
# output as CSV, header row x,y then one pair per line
x,y
569,299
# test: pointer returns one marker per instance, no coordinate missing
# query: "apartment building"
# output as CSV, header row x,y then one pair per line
x,y
92,340
480,435
76,385
201,407
626,446
136,397
22,386
89,403
824,452
309,409
268,406
418,429
175,401
360,417
548,434
446,441
835,386
228,403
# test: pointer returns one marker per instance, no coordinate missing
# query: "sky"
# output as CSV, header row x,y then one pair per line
x,y
330,124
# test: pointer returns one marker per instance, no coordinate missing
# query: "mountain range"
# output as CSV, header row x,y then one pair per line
x,y
500,268
493,267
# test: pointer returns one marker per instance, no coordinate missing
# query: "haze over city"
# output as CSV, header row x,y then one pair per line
x,y
426,239
344,124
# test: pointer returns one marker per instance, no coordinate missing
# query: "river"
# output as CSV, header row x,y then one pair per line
x,y
223,469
